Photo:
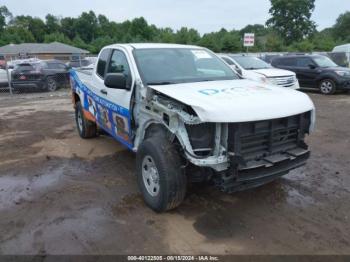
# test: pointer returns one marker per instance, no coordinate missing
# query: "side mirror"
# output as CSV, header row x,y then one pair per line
x,y
116,81
312,66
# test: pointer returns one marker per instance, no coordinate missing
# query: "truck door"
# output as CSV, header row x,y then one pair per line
x,y
113,105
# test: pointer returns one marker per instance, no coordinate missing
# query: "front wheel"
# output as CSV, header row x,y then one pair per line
x,y
161,178
327,87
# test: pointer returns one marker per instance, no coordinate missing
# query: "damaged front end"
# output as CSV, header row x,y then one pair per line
x,y
238,155
256,152
259,152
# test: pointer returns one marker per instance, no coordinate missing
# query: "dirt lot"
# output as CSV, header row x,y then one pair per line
x,y
62,195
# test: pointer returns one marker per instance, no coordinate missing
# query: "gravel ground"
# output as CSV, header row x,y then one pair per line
x,y
62,195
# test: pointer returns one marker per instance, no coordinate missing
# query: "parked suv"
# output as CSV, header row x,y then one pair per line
x,y
316,71
255,69
45,75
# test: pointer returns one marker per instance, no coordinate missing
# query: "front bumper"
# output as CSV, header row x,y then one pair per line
x,y
344,84
33,84
258,174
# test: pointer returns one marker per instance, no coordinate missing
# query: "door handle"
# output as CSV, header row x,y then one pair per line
x,y
104,91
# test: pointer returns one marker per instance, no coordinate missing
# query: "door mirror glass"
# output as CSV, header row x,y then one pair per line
x,y
116,81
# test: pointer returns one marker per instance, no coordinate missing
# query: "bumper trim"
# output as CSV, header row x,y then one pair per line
x,y
258,175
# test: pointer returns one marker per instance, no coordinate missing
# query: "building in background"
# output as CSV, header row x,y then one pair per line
x,y
53,50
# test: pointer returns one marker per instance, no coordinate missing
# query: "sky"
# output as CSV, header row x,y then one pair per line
x,y
203,15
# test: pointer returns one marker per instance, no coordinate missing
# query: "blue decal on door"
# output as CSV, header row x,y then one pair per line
x,y
111,117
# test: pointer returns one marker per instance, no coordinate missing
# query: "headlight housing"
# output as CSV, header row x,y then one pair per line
x,y
263,79
343,73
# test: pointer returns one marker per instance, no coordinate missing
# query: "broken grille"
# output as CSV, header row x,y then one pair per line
x,y
257,140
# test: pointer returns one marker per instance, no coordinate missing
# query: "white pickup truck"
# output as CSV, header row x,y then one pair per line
x,y
189,117
253,68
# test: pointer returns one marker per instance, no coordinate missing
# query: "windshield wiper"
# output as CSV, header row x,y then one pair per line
x,y
160,83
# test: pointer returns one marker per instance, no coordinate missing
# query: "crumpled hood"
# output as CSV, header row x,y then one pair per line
x,y
274,72
237,100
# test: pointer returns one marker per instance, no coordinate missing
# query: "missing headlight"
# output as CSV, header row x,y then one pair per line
x,y
202,138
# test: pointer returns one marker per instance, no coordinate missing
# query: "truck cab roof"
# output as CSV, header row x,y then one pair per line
x,y
151,46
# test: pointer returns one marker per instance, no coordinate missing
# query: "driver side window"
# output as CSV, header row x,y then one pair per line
x,y
119,64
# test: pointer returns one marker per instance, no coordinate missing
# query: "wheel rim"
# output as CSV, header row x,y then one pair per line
x,y
326,87
51,85
80,121
150,176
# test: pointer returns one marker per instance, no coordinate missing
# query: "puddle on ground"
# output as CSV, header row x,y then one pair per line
x,y
15,190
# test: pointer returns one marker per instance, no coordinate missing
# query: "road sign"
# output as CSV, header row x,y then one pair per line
x,y
249,39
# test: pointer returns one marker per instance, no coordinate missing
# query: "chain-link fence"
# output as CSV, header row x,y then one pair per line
x,y
33,75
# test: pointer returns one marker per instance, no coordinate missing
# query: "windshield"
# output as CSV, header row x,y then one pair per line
x,y
250,62
323,61
180,65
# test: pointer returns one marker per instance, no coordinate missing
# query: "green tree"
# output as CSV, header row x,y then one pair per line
x,y
16,35
210,41
57,37
37,28
274,43
187,36
257,29
165,35
100,42
231,42
324,41
52,24
86,26
139,29
292,19
303,46
68,27
78,42
4,15
341,29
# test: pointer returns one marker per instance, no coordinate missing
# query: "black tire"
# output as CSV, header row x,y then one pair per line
x,y
172,181
86,128
327,86
51,84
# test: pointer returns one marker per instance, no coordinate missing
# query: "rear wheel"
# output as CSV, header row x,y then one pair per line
x,y
86,128
160,175
327,87
51,84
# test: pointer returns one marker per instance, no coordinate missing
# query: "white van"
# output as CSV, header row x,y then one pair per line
x,y
343,49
